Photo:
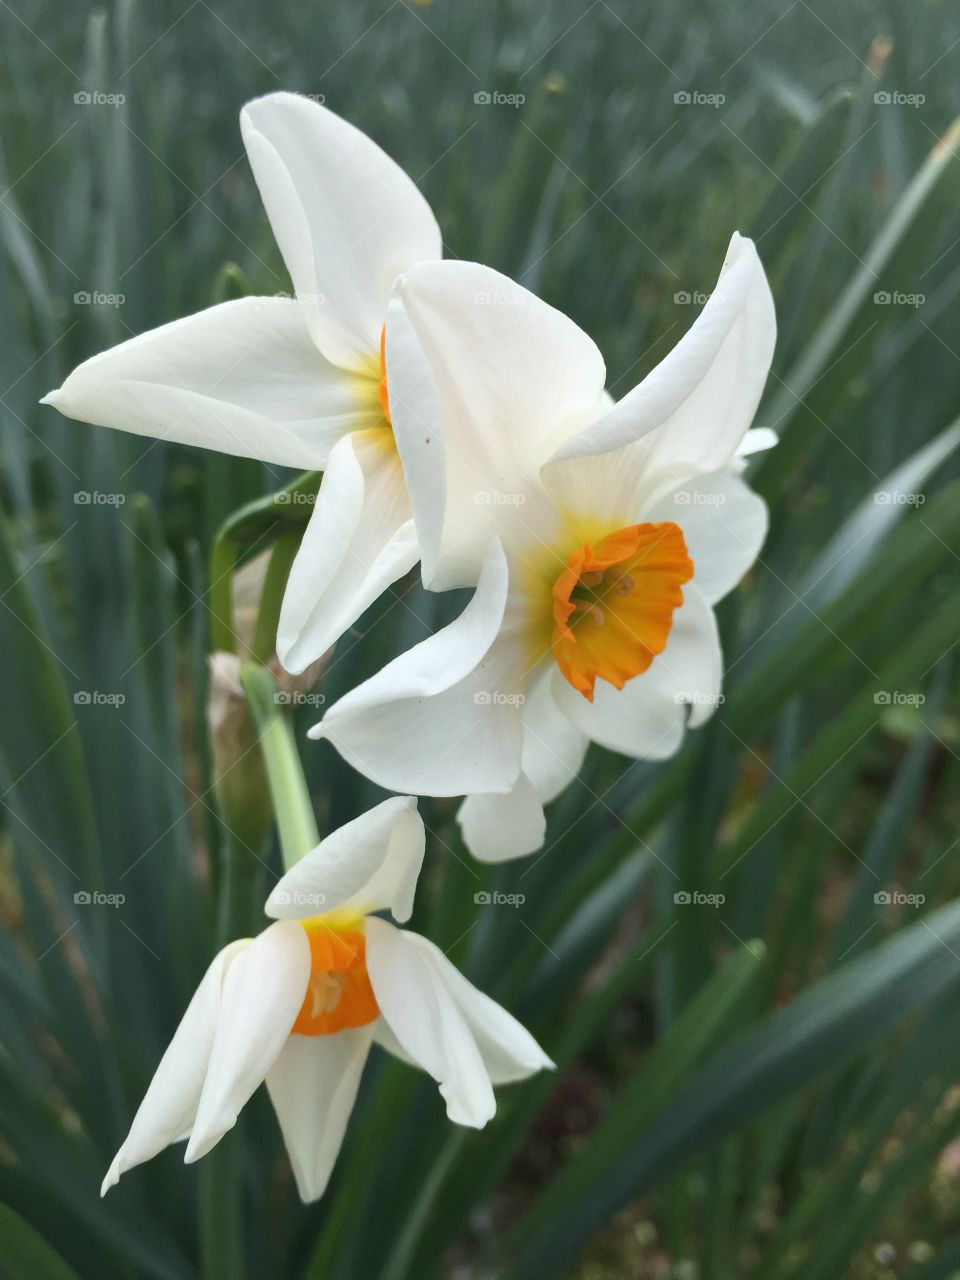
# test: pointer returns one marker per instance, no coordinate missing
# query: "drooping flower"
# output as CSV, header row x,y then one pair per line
x,y
599,539
296,382
300,1005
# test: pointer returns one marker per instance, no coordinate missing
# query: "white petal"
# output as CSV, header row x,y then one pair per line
x,y
359,540
242,377
367,865
508,1050
724,524
461,1037
384,1037
262,995
443,719
553,747
757,440
169,1106
427,1023
313,1086
347,218
646,718
496,828
499,381
693,410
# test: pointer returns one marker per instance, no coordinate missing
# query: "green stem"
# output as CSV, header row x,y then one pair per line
x,y
271,596
292,808
223,562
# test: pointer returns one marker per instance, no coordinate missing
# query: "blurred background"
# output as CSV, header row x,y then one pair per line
x,y
746,961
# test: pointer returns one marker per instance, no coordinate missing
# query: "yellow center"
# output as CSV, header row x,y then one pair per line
x,y
613,604
382,386
339,994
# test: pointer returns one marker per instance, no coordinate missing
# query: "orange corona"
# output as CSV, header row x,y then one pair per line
x,y
339,994
613,604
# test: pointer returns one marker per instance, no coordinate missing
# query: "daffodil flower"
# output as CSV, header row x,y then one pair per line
x,y
300,1005
599,539
296,382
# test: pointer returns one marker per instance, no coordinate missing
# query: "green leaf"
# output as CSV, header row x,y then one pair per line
x,y
829,1023
26,1255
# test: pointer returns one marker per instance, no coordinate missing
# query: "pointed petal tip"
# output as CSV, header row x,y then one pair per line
x,y
51,397
111,1177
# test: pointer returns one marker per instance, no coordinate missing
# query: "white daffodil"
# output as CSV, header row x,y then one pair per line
x,y
600,538
296,382
300,1005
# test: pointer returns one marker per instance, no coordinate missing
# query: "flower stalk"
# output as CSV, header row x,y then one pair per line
x,y
296,824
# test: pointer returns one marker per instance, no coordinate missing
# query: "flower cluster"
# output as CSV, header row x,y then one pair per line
x,y
461,422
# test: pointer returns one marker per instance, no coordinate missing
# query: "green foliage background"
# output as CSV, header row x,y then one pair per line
x,y
763,1088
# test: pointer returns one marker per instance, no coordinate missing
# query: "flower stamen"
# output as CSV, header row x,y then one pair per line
x,y
628,586
339,994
